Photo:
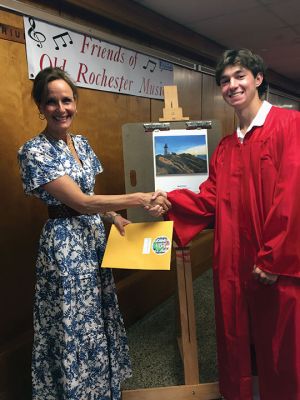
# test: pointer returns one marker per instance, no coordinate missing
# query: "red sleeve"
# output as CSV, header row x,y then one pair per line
x,y
280,252
192,212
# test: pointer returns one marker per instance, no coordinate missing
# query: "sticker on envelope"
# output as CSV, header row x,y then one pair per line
x,y
146,245
161,245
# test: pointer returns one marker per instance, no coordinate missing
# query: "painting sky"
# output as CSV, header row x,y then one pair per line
x,y
192,144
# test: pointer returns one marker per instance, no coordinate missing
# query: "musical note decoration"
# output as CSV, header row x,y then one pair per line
x,y
38,37
62,38
151,65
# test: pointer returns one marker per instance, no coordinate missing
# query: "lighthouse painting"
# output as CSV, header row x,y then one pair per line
x,y
181,154
180,159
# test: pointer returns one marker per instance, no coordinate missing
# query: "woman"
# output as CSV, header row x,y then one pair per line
x,y
80,350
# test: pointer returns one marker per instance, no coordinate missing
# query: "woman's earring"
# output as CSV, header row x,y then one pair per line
x,y
41,116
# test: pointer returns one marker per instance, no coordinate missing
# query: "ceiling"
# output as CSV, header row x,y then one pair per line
x,y
270,28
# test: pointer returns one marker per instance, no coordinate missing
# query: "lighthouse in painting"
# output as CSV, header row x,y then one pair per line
x,y
166,149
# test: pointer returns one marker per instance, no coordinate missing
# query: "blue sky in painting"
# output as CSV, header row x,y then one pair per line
x,y
180,144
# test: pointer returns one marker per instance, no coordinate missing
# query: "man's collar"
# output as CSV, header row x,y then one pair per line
x,y
258,120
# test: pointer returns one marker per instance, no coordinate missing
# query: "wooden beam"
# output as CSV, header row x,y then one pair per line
x,y
188,346
205,391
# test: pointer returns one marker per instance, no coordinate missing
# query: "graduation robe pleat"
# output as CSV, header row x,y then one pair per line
x,y
252,196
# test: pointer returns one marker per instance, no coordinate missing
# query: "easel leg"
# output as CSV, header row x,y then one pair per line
x,y
192,390
188,341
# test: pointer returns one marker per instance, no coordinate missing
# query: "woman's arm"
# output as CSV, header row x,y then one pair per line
x,y
68,192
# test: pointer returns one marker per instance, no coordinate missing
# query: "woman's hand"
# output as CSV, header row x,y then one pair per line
x,y
157,203
158,193
120,223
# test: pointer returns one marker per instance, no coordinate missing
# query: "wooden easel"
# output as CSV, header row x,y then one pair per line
x,y
187,342
171,111
192,389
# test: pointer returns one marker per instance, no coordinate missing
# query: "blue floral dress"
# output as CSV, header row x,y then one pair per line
x,y
80,348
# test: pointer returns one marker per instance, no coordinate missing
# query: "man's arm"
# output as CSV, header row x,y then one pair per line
x,y
280,252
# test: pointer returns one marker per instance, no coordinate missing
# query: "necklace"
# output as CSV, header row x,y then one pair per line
x,y
72,148
68,141
50,136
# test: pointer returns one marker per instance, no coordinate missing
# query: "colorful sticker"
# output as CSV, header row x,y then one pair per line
x,y
161,245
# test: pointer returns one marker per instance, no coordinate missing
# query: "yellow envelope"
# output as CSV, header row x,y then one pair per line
x,y
146,245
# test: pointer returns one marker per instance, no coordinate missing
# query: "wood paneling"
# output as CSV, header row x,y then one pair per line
x,y
156,110
189,84
15,372
11,19
282,100
21,221
214,107
100,117
19,235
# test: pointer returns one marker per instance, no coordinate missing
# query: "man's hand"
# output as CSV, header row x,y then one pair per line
x,y
264,277
158,203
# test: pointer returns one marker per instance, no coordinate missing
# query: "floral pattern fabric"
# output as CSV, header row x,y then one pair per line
x,y
80,348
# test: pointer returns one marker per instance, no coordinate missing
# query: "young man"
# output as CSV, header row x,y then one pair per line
x,y
253,196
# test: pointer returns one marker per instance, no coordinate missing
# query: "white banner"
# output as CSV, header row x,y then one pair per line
x,y
92,63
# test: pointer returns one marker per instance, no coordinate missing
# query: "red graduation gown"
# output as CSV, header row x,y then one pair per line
x,y
253,197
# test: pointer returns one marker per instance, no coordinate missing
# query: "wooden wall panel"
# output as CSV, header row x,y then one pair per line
x,y
8,18
156,109
214,107
18,238
189,84
283,101
21,221
100,117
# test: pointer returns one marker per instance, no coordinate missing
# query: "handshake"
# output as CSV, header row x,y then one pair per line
x,y
157,203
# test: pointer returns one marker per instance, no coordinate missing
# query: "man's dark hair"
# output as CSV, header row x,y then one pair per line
x,y
45,76
246,59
